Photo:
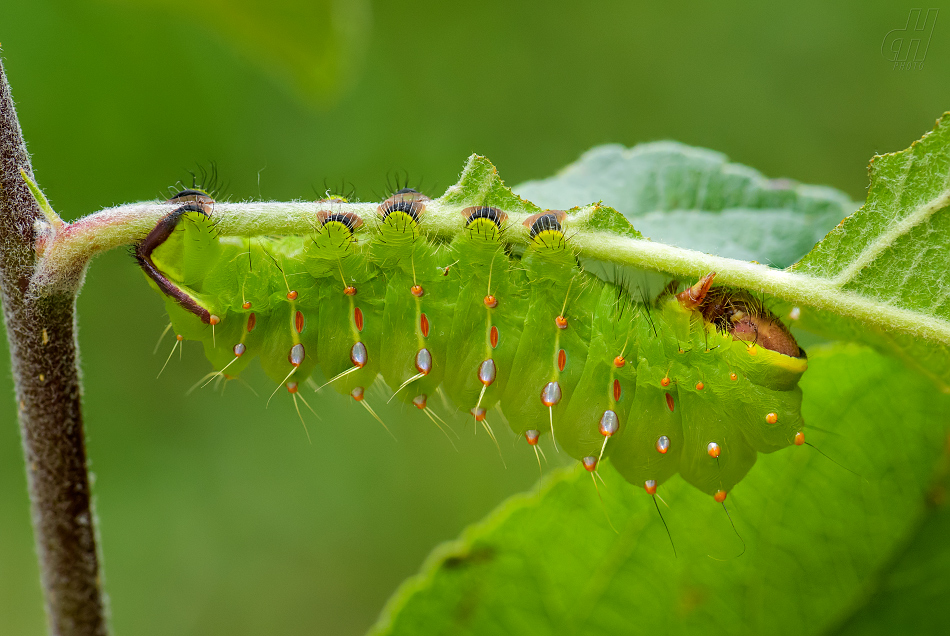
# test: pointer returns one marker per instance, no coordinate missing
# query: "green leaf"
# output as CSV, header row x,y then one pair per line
x,y
694,198
893,253
819,539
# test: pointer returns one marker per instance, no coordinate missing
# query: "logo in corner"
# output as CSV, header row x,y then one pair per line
x,y
906,48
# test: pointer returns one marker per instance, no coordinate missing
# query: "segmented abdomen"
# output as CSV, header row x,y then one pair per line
x,y
660,388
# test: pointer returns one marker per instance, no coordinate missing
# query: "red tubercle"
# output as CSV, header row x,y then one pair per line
x,y
420,401
417,291
771,418
246,305
357,394
665,381
733,377
532,437
298,321
561,322
619,362
213,320
358,318
493,337
478,414
179,337
424,325
799,438
669,402
291,387
720,496
617,390
561,359
590,464
292,295
490,301
349,290
650,486
700,386
251,322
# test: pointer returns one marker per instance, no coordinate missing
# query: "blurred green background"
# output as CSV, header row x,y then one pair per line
x,y
216,515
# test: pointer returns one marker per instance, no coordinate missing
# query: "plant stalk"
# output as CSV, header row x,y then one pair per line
x,y
42,337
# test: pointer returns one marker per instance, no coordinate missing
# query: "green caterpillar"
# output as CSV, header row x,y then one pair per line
x,y
696,382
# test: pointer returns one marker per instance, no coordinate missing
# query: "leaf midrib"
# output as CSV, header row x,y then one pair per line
x,y
886,239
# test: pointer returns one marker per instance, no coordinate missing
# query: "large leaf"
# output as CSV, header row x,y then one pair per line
x,y
893,254
694,198
819,540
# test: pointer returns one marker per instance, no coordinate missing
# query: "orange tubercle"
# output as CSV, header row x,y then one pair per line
x,y
179,337
490,301
619,362
720,496
417,291
700,386
665,382
561,322
246,305
292,295
771,418
291,387
799,438
214,319
650,486
733,377
349,290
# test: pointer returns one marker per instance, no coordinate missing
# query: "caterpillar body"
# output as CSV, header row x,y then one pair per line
x,y
697,382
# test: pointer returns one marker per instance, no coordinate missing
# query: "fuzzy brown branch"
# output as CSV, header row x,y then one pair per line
x,y
41,334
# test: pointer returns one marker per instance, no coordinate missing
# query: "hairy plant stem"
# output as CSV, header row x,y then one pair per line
x,y
41,334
